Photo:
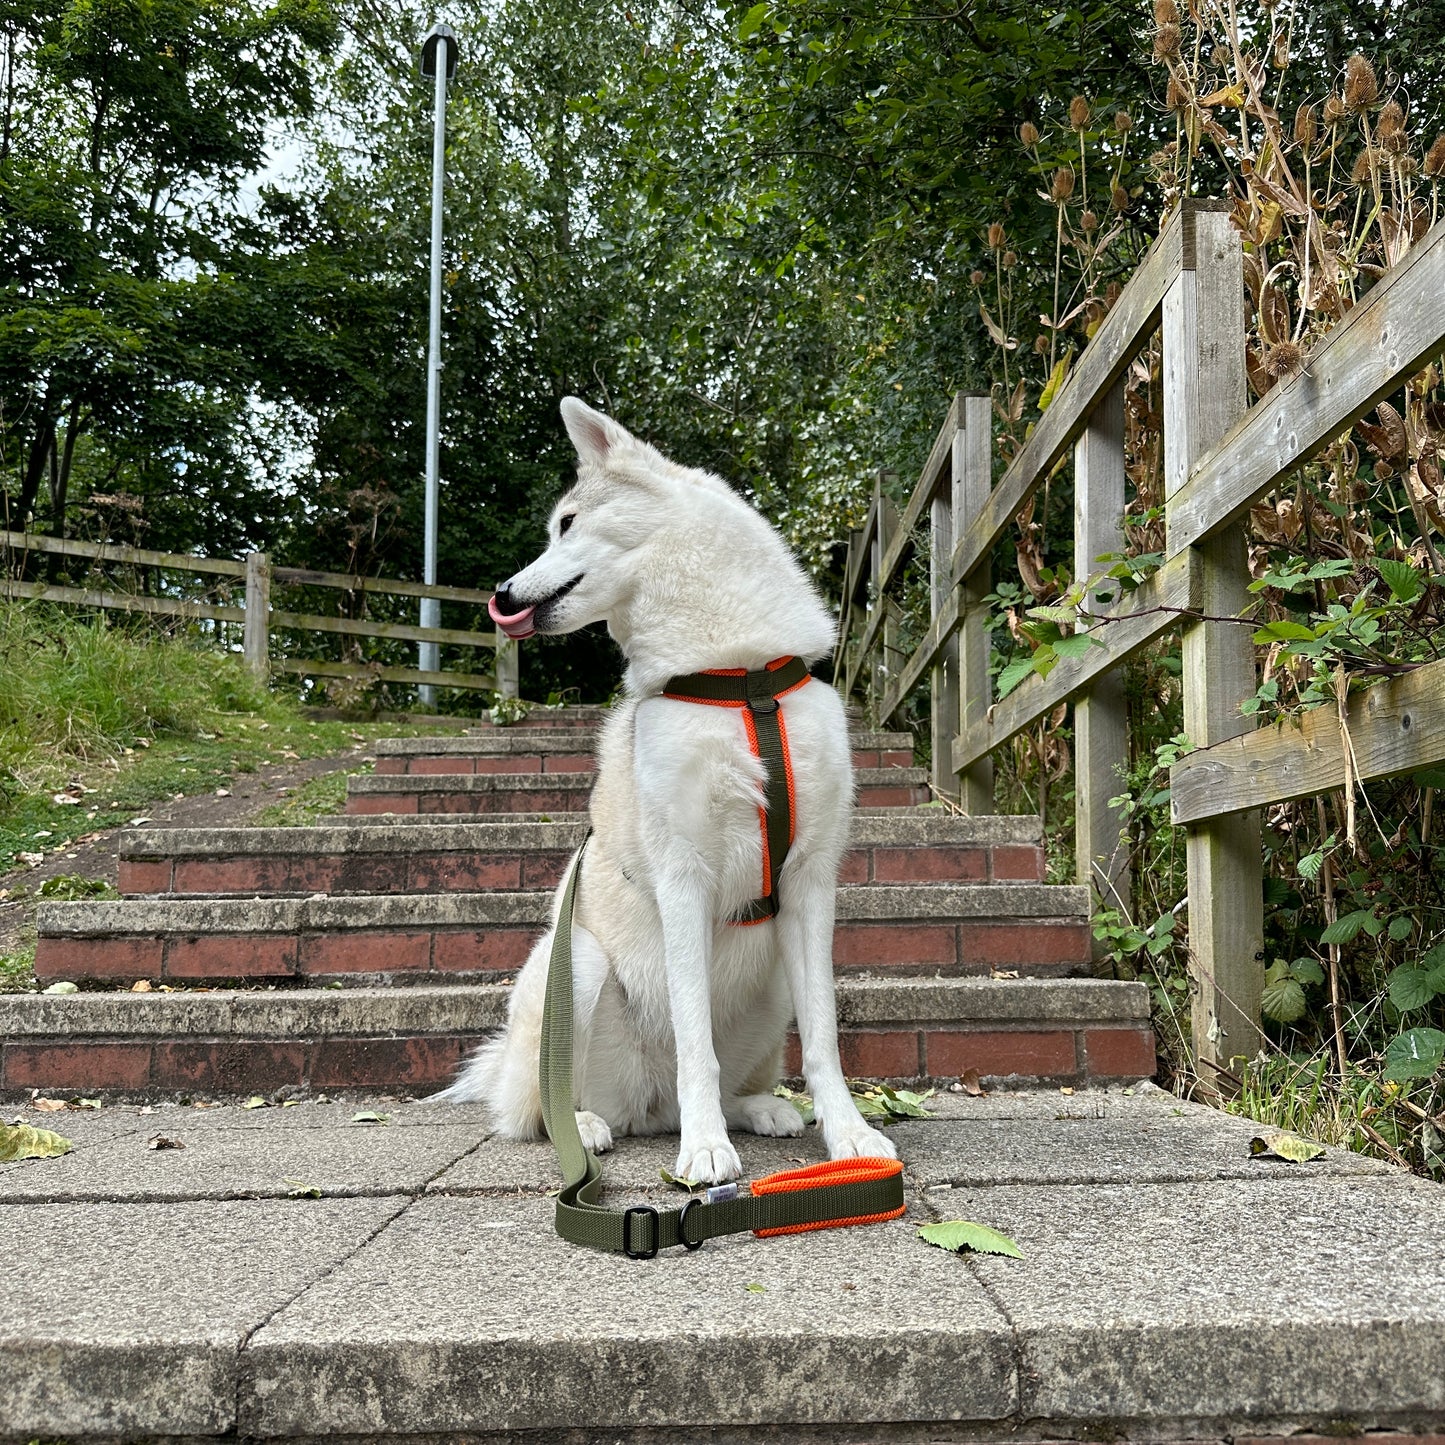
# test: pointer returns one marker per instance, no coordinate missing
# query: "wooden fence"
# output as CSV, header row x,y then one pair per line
x,y
255,575
1220,457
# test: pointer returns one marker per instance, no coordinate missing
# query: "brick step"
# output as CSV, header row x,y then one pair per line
x,y
1014,1031
562,792
523,750
470,855
962,928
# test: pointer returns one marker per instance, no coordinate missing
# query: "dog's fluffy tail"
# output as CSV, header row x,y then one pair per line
x,y
502,1074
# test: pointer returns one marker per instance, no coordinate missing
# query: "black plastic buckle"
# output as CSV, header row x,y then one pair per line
x,y
645,1210
688,1244
763,705
758,692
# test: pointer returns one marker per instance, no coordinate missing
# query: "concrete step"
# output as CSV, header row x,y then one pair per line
x,y
470,854
1172,1288
957,928
563,792
1063,1031
555,750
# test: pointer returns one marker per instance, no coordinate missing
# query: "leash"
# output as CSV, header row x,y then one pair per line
x,y
820,1196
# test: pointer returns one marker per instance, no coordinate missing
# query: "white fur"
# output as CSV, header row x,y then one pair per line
x,y
681,1017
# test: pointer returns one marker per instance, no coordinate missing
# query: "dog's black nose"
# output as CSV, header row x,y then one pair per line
x,y
505,600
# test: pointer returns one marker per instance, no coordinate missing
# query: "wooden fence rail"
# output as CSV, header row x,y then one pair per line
x,y
259,620
1220,457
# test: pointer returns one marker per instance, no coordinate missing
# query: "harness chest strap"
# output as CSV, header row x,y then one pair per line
x,y
758,695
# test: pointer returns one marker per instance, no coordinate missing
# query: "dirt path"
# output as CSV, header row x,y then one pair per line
x,y
249,794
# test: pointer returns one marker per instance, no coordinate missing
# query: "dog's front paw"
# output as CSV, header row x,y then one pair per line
x,y
766,1114
596,1136
713,1163
858,1141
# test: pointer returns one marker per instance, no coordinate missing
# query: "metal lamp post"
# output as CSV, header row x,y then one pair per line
x,y
440,68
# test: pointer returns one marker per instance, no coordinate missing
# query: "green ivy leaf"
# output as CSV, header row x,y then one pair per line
x,y
960,1235
1416,1054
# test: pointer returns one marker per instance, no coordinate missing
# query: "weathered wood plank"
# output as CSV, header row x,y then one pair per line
x,y
1101,724
1204,396
934,475
925,655
304,577
1394,331
943,598
257,637
1397,726
365,627
115,552
306,668
1159,603
972,488
1125,329
121,601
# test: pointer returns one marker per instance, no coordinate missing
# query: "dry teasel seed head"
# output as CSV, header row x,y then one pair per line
x,y
1306,128
1362,89
1166,42
1435,159
1176,97
1367,164
1041,345
1063,186
1123,122
1392,129
976,278
1078,113
1118,198
995,235
1090,222
1335,110
1112,292
1406,165
1029,134
1166,12
1281,360
1280,58
1010,260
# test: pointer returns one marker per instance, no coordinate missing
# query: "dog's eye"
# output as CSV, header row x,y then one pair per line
x,y
565,523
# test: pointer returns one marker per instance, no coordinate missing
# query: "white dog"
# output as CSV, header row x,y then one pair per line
x,y
680,1014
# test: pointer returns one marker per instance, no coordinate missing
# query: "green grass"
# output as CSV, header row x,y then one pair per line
x,y
17,970
121,721
315,799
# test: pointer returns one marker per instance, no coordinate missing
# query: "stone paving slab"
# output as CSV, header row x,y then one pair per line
x,y
119,1320
1314,1297
202,1161
1171,1287
493,1323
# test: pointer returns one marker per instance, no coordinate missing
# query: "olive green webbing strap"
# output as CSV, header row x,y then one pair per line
x,y
642,1230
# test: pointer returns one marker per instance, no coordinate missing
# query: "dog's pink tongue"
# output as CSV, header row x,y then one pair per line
x,y
516,626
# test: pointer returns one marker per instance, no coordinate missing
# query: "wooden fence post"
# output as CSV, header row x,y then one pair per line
x,y
883,535
508,667
256,636
1101,731
972,483
944,690
1204,395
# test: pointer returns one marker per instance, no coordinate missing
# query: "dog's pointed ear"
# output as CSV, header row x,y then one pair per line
x,y
594,435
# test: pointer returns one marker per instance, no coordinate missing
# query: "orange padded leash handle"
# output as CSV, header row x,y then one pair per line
x,y
824,1176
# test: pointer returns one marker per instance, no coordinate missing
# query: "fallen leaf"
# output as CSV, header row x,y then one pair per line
x,y
86,1103
254,1102
676,1180
30,860
369,1116
1065,1089
47,1106
65,986
972,1083
1279,1145
300,1189
141,985
962,1235
223,792
25,1141
160,1141
754,1288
